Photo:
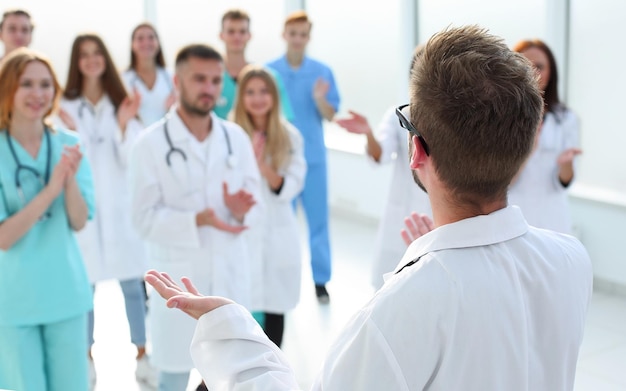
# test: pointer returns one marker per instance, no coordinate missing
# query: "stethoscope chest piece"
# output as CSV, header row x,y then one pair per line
x,y
231,161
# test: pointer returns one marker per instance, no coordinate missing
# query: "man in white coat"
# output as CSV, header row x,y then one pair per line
x,y
483,301
195,183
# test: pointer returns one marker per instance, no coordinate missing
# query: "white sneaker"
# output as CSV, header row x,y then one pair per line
x,y
92,375
146,374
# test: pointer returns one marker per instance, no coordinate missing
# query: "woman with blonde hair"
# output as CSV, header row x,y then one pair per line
x,y
278,147
45,195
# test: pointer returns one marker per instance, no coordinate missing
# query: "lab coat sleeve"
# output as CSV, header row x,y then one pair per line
x,y
124,142
570,128
231,352
295,172
153,220
388,134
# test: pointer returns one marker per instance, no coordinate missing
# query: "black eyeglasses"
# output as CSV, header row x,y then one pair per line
x,y
406,124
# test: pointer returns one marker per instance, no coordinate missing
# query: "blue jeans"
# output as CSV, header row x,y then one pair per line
x,y
173,381
135,301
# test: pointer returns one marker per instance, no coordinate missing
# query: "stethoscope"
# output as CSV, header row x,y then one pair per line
x,y
231,160
94,137
21,167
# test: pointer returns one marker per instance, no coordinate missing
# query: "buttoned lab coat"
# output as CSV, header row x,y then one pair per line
x,y
537,190
276,239
110,245
492,304
165,201
404,196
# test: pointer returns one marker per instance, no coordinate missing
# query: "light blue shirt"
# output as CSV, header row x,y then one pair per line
x,y
229,91
299,84
42,276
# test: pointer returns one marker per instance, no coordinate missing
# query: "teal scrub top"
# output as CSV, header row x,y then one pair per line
x,y
229,90
42,276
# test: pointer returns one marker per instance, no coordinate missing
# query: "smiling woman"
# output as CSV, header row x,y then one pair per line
x,y
45,193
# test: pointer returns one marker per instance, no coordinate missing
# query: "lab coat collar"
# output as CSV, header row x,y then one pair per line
x,y
496,227
179,131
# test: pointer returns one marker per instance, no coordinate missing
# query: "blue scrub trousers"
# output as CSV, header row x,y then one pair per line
x,y
314,199
48,357
135,302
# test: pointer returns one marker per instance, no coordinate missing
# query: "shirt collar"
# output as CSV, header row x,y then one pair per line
x,y
178,130
496,227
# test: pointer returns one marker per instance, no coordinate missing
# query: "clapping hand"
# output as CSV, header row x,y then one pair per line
x,y
239,203
356,123
416,226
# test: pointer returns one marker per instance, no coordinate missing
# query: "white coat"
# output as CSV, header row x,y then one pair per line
x,y
153,100
276,239
490,304
404,196
537,190
166,199
110,245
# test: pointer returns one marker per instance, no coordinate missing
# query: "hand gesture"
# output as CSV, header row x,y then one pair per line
x,y
67,119
567,156
238,203
356,123
320,89
416,226
208,217
65,169
191,302
258,144
128,109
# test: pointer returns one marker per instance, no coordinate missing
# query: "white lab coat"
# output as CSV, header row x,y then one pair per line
x,y
537,190
165,203
404,196
110,245
153,100
276,239
492,304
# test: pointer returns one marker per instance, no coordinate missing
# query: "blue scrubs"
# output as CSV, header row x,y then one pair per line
x,y
229,90
299,84
44,290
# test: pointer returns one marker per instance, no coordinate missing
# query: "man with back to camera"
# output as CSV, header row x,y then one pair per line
x,y
194,181
313,95
16,30
483,301
235,34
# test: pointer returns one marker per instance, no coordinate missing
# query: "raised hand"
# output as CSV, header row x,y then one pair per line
x,y
190,302
416,226
567,156
67,119
320,89
356,123
208,217
238,203
128,109
258,144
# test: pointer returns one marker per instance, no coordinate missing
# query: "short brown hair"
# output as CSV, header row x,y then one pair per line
x,y
235,14
16,12
478,106
298,17
12,69
197,50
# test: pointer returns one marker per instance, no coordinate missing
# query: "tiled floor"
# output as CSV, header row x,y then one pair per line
x,y
311,328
